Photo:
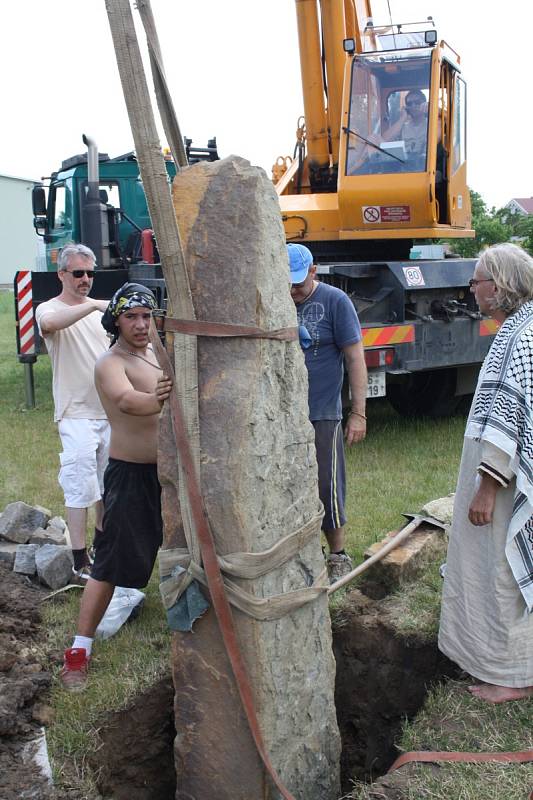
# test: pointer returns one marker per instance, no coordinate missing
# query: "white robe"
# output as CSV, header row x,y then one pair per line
x,y
484,627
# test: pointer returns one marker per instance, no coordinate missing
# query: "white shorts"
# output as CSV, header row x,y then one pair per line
x,y
83,460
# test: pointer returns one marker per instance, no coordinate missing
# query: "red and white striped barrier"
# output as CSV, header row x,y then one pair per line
x,y
26,320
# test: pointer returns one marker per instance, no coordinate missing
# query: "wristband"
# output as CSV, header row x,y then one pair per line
x,y
356,414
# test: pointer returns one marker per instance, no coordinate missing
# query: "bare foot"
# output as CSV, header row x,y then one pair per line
x,y
499,694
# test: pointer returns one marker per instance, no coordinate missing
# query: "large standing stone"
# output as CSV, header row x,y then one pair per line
x,y
259,482
19,520
54,565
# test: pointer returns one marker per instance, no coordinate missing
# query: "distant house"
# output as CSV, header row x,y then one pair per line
x,y
520,205
20,243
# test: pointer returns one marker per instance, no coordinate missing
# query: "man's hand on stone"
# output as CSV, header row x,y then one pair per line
x,y
355,429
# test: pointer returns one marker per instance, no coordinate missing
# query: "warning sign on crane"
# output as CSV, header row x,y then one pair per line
x,y
380,214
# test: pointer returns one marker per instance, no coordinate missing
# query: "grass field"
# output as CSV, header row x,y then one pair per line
x,y
401,465
454,720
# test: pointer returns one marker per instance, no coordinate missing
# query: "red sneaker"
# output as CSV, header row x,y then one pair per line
x,y
74,675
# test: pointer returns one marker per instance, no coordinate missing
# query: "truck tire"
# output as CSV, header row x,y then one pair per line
x,y
425,394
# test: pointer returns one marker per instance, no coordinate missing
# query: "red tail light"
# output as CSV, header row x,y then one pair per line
x,y
379,357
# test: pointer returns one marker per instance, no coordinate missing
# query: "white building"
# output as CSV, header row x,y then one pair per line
x,y
520,205
20,247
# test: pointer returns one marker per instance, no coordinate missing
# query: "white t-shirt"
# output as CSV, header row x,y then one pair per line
x,y
415,135
73,353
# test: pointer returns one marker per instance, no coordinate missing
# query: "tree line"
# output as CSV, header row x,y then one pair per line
x,y
493,226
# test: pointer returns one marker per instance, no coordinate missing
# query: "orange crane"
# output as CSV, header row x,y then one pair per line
x,y
382,155
379,173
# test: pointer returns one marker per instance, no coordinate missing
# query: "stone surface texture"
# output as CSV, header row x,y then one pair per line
x,y
19,521
405,562
54,565
259,482
8,552
57,522
25,559
441,509
51,535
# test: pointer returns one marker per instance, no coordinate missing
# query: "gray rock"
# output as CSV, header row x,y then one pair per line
x,y
441,509
25,559
51,535
7,553
54,565
67,536
20,520
57,522
45,511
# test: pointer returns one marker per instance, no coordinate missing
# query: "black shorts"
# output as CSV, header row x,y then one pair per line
x,y
329,443
132,528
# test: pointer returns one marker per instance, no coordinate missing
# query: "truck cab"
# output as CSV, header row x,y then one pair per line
x,y
123,213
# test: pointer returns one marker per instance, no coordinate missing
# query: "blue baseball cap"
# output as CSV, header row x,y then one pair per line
x,y
300,260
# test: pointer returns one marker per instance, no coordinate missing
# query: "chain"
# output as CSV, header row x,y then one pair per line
x,y
136,355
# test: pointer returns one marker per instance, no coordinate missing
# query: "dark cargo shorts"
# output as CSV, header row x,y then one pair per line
x,y
132,529
329,445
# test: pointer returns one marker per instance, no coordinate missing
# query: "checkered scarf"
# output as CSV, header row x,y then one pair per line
x,y
502,413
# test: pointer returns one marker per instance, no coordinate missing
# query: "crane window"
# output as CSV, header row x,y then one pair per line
x,y
459,124
388,121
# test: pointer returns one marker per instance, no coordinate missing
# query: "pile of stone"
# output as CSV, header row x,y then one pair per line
x,y
34,543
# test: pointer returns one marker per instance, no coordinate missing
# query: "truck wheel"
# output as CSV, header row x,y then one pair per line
x,y
425,394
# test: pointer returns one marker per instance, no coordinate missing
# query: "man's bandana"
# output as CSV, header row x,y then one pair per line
x,y
131,295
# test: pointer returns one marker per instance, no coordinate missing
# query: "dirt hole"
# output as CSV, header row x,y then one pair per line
x,y
136,759
382,678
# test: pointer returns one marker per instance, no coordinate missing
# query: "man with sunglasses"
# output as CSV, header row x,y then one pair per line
x,y
412,124
70,325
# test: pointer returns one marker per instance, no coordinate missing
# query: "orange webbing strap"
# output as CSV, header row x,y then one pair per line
x,y
211,567
196,327
514,757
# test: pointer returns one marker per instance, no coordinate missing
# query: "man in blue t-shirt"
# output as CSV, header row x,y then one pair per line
x,y
330,336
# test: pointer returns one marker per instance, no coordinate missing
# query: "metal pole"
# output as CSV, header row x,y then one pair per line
x,y
29,386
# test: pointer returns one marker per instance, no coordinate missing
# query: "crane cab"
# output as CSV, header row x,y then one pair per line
x,y
402,160
385,135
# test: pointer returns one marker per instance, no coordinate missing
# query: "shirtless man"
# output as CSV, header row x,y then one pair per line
x,y
132,390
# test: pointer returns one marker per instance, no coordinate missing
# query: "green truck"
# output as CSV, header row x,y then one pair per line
x,y
99,201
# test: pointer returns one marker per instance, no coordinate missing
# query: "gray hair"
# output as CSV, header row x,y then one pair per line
x,y
69,250
511,269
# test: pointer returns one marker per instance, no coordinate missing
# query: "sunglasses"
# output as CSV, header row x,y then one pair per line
x,y
473,282
79,273
413,104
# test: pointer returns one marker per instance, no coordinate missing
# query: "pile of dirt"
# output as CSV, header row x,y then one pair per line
x,y
23,684
136,757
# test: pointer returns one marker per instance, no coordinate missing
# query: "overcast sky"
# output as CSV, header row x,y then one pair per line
x,y
233,70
